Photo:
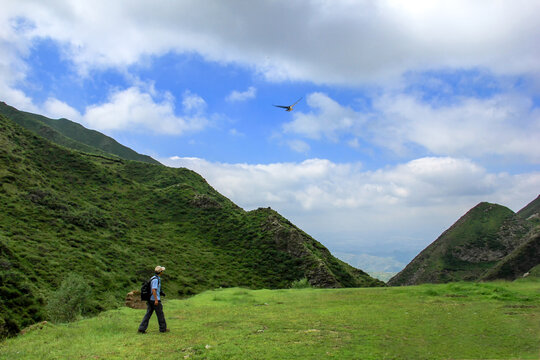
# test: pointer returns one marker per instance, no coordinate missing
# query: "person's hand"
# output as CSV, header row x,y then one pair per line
x,y
156,302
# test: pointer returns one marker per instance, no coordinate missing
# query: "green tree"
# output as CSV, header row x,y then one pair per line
x,y
70,300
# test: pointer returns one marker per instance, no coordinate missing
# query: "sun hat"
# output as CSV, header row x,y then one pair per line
x,y
159,269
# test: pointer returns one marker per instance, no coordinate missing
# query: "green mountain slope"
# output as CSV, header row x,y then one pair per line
x,y
527,255
474,244
531,212
535,272
72,135
112,220
518,262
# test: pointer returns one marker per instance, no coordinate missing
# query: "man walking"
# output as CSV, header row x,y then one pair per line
x,y
155,304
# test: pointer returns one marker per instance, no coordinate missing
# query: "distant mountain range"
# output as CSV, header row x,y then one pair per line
x,y
68,206
489,242
371,263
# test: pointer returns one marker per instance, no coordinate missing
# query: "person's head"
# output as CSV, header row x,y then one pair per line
x,y
159,269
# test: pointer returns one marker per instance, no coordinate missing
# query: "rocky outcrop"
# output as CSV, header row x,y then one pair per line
x,y
203,201
133,300
520,261
292,241
37,326
319,267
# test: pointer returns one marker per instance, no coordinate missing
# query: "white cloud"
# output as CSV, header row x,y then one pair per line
x,y
193,103
329,120
14,45
322,184
134,110
327,42
343,205
299,146
236,96
354,143
56,109
504,125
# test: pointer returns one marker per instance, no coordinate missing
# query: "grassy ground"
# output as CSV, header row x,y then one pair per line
x,y
453,321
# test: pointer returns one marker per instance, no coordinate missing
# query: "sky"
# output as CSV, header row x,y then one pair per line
x,y
411,112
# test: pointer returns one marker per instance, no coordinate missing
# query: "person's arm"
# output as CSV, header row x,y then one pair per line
x,y
155,297
155,285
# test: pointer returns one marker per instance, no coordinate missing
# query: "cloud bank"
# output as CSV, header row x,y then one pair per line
x,y
504,125
355,41
370,208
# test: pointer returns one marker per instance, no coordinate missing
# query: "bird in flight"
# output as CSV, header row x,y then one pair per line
x,y
290,107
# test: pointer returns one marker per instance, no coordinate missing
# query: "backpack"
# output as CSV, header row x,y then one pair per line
x,y
146,289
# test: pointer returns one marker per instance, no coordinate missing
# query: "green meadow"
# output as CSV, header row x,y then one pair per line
x,y
497,320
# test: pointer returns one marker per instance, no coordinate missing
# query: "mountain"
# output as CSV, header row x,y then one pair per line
x,y
112,220
535,272
531,212
72,135
518,262
382,268
487,236
371,263
525,256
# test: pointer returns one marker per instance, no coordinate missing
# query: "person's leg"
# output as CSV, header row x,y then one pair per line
x,y
149,311
161,317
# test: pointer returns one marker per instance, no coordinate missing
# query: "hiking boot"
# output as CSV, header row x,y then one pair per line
x,y
141,331
166,330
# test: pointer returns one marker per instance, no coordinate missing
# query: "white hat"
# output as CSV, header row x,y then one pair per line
x,y
159,269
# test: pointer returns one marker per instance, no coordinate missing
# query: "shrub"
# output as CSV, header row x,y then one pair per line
x,y
301,284
70,300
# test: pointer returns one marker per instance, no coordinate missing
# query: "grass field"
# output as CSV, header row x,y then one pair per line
x,y
499,320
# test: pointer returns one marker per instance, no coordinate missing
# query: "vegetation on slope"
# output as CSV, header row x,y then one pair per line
x,y
112,220
531,212
451,321
519,261
474,244
72,135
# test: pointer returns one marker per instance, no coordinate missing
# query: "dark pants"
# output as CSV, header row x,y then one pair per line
x,y
150,307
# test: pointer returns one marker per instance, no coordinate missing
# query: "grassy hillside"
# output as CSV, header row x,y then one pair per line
x,y
519,261
535,272
474,244
72,135
112,220
451,321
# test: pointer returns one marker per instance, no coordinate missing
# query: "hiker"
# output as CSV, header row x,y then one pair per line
x,y
155,304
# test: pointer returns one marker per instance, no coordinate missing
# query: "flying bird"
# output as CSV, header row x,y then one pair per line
x,y
290,107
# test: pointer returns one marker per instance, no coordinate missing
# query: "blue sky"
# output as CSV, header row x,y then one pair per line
x,y
412,112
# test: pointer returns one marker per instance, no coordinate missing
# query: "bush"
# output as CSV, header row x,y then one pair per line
x,y
301,284
70,300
